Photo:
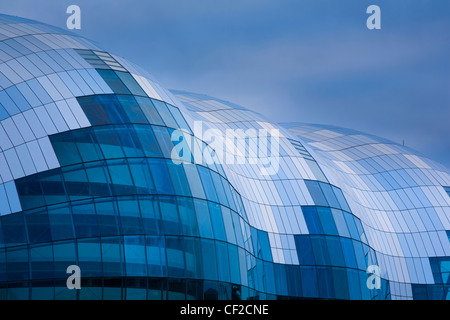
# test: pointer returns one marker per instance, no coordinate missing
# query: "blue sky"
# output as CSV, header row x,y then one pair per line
x,y
291,60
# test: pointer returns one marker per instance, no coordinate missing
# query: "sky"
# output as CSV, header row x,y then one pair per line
x,y
291,60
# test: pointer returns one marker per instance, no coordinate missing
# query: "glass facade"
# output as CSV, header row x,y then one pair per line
x,y
87,178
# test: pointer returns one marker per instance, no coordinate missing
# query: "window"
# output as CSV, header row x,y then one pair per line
x,y
132,109
113,81
131,83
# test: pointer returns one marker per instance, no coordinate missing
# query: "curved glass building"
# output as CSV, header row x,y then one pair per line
x,y
92,175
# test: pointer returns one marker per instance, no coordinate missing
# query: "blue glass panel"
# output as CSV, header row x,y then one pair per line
x,y
99,180
327,221
142,177
203,218
112,256
341,290
209,259
234,265
17,264
52,186
85,219
316,193
65,255
265,245
151,216
175,257
340,197
181,122
218,187
114,110
350,219
38,226
129,141
223,261
217,221
329,195
18,98
353,284
238,230
132,109
135,257
309,282
160,176
130,83
14,233
312,220
325,282
148,141
65,148
365,291
87,145
3,274
440,267
447,189
60,222
193,254
94,110
280,278
293,280
130,218
359,254
156,256
30,192
188,217
304,250
113,81
170,216
90,258
164,140
177,174
165,114
341,225
120,177
76,182
349,253
335,250
320,249
228,224
149,110
109,142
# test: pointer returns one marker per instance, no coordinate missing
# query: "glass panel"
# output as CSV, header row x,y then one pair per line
x,y
149,110
312,220
132,109
85,219
90,258
151,217
135,257
113,81
156,256
130,219
175,257
188,217
131,83
169,213
38,226
60,222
